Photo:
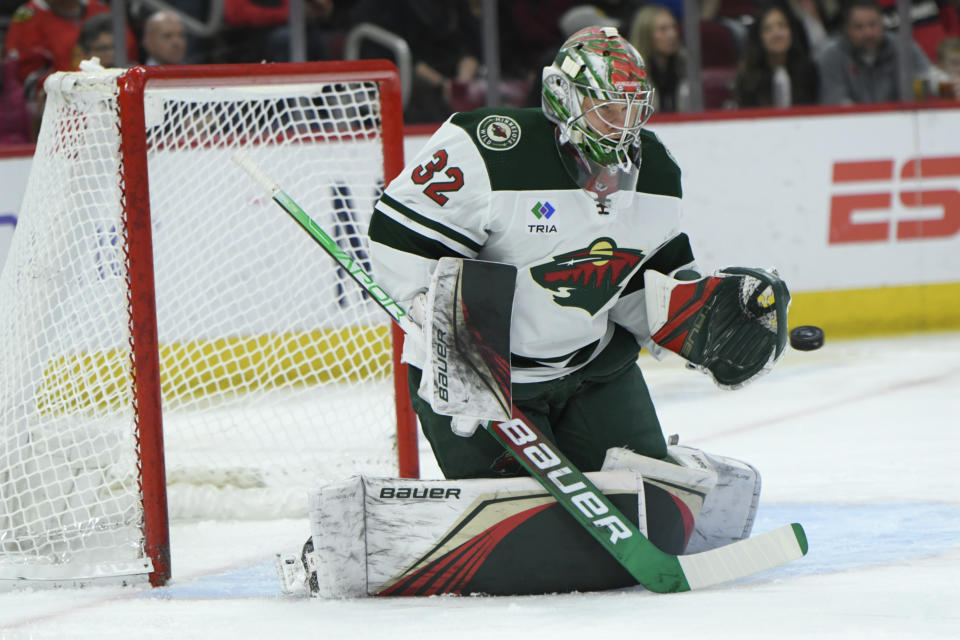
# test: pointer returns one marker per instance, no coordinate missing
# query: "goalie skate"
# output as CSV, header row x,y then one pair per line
x,y
298,576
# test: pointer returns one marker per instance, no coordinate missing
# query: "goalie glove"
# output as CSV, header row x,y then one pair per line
x,y
732,325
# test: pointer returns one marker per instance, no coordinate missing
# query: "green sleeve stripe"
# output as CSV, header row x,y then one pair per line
x,y
406,211
670,256
388,232
575,357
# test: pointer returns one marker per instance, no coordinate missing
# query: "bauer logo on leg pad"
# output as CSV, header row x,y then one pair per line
x,y
420,493
542,456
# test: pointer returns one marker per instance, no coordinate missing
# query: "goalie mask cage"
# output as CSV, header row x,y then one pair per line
x,y
171,343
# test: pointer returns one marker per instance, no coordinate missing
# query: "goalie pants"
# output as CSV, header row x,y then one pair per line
x,y
605,404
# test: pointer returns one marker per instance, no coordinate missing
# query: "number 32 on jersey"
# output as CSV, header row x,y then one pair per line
x,y
426,174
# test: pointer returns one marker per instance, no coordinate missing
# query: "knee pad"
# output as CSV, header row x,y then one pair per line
x,y
722,493
730,507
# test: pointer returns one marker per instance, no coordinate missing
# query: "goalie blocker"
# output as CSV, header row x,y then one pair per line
x,y
390,536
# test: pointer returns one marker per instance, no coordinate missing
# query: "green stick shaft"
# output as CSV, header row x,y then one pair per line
x,y
349,264
328,244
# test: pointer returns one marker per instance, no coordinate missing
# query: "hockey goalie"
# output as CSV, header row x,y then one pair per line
x,y
537,251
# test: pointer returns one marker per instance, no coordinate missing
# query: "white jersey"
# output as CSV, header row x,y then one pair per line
x,y
490,185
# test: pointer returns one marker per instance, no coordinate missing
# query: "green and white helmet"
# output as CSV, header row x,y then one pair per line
x,y
597,93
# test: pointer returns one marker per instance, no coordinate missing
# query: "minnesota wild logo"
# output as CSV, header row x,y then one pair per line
x,y
498,133
588,278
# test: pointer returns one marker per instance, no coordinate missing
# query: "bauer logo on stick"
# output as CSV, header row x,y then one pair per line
x,y
541,455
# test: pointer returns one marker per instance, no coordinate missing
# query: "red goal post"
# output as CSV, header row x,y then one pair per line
x,y
174,342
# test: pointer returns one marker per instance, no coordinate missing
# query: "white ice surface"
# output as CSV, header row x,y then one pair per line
x,y
858,441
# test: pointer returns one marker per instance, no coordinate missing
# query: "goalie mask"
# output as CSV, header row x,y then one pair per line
x,y
597,93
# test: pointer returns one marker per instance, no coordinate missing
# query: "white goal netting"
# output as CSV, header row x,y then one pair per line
x,y
275,371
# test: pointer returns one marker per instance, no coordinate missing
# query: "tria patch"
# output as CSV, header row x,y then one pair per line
x,y
498,133
588,278
542,212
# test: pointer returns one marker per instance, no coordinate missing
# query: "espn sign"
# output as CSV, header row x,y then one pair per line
x,y
864,211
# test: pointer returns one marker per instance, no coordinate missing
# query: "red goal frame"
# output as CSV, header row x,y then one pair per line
x,y
135,204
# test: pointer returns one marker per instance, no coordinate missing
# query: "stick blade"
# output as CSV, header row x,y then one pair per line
x,y
746,557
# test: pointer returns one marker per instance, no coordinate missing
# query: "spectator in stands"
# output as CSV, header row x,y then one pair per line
x,y
42,35
775,70
620,10
742,10
198,45
583,16
14,118
529,32
655,34
948,59
444,41
320,36
676,7
932,21
260,29
164,40
96,40
818,18
860,64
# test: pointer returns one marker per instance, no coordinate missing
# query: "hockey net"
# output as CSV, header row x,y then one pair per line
x,y
147,271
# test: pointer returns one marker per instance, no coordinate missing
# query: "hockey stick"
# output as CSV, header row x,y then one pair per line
x,y
352,266
655,570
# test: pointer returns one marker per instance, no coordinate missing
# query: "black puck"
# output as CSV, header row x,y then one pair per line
x,y
806,338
